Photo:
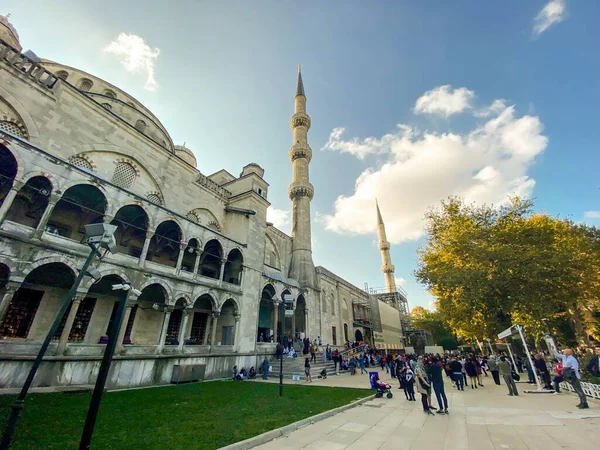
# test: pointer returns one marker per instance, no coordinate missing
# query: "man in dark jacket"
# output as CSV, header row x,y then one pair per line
x,y
457,376
542,369
593,366
435,377
493,365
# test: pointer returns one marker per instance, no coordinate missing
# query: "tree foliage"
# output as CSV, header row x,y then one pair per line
x,y
432,321
492,267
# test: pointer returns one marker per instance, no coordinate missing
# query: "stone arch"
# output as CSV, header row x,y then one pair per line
x,y
80,205
191,253
234,302
209,295
43,285
165,245
265,313
33,174
83,161
345,310
234,267
205,217
9,168
15,104
132,227
271,249
110,272
225,334
210,260
52,260
300,315
11,121
182,296
147,324
159,281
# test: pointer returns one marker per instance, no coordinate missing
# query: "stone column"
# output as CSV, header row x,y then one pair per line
x,y
223,261
236,326
276,304
185,314
306,321
182,249
213,334
8,200
64,337
131,299
11,289
206,330
46,216
294,321
196,262
149,235
165,327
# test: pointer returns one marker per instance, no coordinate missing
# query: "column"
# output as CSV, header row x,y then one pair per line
x,y
276,304
213,334
184,321
294,320
306,321
8,200
46,216
236,327
206,330
223,261
131,299
144,253
165,327
11,288
196,262
64,337
182,249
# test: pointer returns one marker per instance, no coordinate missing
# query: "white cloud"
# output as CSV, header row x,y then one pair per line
x,y
278,217
592,214
444,101
136,56
400,281
486,164
496,107
555,11
355,147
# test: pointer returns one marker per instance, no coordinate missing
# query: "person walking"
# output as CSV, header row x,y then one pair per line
x,y
506,372
362,365
570,370
471,370
409,384
493,366
423,386
437,381
313,355
307,370
478,370
265,369
456,367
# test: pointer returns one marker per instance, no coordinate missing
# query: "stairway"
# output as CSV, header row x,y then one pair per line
x,y
295,366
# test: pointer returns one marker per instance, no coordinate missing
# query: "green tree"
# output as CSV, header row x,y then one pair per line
x,y
432,321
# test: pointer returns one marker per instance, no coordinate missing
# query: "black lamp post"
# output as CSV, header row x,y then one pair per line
x,y
97,236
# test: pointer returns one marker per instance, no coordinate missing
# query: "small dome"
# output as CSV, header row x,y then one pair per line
x,y
186,154
8,33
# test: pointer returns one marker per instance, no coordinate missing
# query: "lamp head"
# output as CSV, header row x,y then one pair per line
x,y
101,234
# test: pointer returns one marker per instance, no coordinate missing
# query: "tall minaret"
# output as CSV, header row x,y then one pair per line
x,y
301,192
386,260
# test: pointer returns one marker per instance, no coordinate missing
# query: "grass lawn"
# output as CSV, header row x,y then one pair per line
x,y
190,416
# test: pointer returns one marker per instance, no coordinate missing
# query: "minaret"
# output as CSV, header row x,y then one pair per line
x,y
386,260
301,192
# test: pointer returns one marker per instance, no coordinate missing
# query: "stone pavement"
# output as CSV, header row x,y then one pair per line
x,y
482,419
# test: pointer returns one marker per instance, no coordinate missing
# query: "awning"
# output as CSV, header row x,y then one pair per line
x,y
277,275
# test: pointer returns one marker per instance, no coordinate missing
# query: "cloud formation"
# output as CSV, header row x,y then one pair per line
x,y
444,101
592,214
487,164
555,11
278,217
400,281
136,56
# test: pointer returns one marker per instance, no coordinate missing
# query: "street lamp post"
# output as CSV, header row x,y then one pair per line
x,y
96,236
113,337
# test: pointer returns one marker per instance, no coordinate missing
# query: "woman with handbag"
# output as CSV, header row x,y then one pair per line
x,y
423,386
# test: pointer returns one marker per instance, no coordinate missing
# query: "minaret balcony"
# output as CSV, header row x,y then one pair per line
x,y
388,268
384,245
301,189
300,120
300,151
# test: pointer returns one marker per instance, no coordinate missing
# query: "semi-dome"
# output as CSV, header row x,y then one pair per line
x,y
186,154
8,33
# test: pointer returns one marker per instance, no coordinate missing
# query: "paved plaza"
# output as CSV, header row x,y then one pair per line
x,y
482,419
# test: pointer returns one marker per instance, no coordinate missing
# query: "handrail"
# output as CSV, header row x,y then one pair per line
x,y
352,351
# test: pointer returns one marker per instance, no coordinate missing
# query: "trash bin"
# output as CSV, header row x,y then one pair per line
x,y
371,378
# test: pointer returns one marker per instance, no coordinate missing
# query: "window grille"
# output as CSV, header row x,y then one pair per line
x,y
155,198
110,94
140,125
124,175
107,106
81,162
214,225
62,74
12,128
192,216
85,85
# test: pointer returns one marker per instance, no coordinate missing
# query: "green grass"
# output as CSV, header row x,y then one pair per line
x,y
190,416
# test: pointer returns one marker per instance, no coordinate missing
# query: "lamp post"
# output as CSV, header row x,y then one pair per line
x,y
97,236
113,337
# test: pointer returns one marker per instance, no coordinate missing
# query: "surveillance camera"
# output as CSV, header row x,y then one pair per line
x,y
136,292
94,273
155,306
116,287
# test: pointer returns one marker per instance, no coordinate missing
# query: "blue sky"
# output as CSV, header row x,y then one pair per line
x,y
479,99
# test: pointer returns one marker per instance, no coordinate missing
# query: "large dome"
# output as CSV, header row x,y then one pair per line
x,y
8,33
186,154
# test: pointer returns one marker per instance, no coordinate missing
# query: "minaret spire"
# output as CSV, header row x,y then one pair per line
x,y
386,260
301,192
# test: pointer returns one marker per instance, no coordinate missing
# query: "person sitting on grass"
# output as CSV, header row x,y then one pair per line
x,y
252,373
243,374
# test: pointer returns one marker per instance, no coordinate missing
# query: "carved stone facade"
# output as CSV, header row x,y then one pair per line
x,y
216,279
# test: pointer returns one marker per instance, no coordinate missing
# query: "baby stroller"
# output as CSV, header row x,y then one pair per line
x,y
381,387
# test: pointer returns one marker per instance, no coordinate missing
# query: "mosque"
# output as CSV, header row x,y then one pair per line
x,y
216,284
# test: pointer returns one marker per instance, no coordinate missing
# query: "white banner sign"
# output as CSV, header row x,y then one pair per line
x,y
506,333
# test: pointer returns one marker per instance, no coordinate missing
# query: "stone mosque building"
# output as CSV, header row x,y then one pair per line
x,y
216,279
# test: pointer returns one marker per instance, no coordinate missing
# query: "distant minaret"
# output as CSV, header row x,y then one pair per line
x,y
301,192
386,260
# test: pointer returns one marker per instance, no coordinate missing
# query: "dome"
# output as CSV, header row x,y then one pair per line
x,y
186,154
8,33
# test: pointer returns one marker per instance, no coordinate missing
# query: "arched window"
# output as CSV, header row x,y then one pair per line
x,y
124,175
85,85
107,106
214,225
324,301
131,104
332,304
155,198
62,74
110,94
12,128
140,125
193,217
81,162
